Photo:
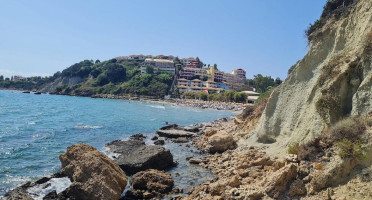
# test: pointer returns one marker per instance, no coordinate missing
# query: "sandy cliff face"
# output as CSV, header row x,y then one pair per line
x,y
332,81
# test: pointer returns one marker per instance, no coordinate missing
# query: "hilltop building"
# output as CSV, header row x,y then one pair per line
x,y
159,65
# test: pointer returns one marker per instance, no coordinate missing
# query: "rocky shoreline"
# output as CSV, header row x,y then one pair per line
x,y
88,172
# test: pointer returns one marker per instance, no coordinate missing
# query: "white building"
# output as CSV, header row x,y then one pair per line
x,y
162,65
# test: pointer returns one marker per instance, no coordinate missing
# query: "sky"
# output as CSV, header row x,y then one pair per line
x,y
41,37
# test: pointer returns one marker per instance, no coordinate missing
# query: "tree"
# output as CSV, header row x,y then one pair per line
x,y
215,67
278,81
1,78
116,73
150,69
97,61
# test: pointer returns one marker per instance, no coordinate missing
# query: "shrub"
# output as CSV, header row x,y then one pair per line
x,y
350,128
293,148
351,149
328,107
313,150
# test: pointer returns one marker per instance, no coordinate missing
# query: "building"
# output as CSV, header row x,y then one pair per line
x,y
223,86
196,83
19,78
187,61
183,82
187,73
159,65
240,73
210,84
252,96
218,76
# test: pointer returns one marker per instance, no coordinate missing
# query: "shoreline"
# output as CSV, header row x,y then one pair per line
x,y
191,103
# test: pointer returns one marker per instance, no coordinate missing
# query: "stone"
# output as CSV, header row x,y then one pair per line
x,y
297,188
159,142
93,174
234,181
180,140
135,156
278,181
137,136
19,193
175,133
152,180
195,161
220,142
154,138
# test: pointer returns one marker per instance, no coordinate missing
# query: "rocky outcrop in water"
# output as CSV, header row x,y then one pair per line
x,y
134,156
93,175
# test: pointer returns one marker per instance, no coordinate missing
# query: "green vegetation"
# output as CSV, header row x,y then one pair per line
x,y
351,149
328,107
225,96
263,83
293,148
333,8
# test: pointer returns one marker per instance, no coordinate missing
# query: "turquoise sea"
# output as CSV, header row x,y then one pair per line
x,y
35,129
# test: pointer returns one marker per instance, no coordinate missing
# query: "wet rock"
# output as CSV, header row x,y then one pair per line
x,y
220,142
159,142
51,195
154,138
135,156
138,136
195,161
19,193
194,129
93,175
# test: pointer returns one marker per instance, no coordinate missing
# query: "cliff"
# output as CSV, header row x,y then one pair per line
x,y
331,82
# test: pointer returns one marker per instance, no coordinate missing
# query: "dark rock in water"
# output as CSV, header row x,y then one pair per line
x,y
93,174
138,136
168,127
194,129
149,184
135,156
19,193
159,142
195,161
154,138
51,196
181,140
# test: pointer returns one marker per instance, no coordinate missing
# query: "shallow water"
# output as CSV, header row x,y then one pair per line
x,y
35,129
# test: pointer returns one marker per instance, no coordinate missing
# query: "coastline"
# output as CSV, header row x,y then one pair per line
x,y
192,103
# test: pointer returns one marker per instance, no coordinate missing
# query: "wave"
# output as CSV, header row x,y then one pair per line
x,y
109,153
31,123
159,107
87,127
59,184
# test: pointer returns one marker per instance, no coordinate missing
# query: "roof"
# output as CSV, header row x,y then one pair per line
x,y
209,88
182,79
196,88
252,97
196,80
251,93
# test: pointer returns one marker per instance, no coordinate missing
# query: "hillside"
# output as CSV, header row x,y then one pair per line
x,y
89,78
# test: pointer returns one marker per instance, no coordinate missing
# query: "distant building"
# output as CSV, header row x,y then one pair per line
x,y
252,96
19,78
187,61
159,65
239,72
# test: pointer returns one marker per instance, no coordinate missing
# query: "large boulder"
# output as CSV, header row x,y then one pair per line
x,y
134,156
93,175
220,142
175,133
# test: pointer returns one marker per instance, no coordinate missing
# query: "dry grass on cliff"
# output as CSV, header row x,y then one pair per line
x,y
368,45
331,70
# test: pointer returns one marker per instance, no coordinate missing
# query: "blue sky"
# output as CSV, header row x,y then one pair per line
x,y
262,36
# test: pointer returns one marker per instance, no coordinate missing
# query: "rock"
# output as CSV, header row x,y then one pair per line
x,y
93,175
297,188
174,133
191,129
19,193
220,142
195,161
51,195
154,138
159,142
152,180
278,181
137,136
291,158
234,181
168,127
135,156
180,140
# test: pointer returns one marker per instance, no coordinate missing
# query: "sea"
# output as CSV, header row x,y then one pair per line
x,y
36,129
